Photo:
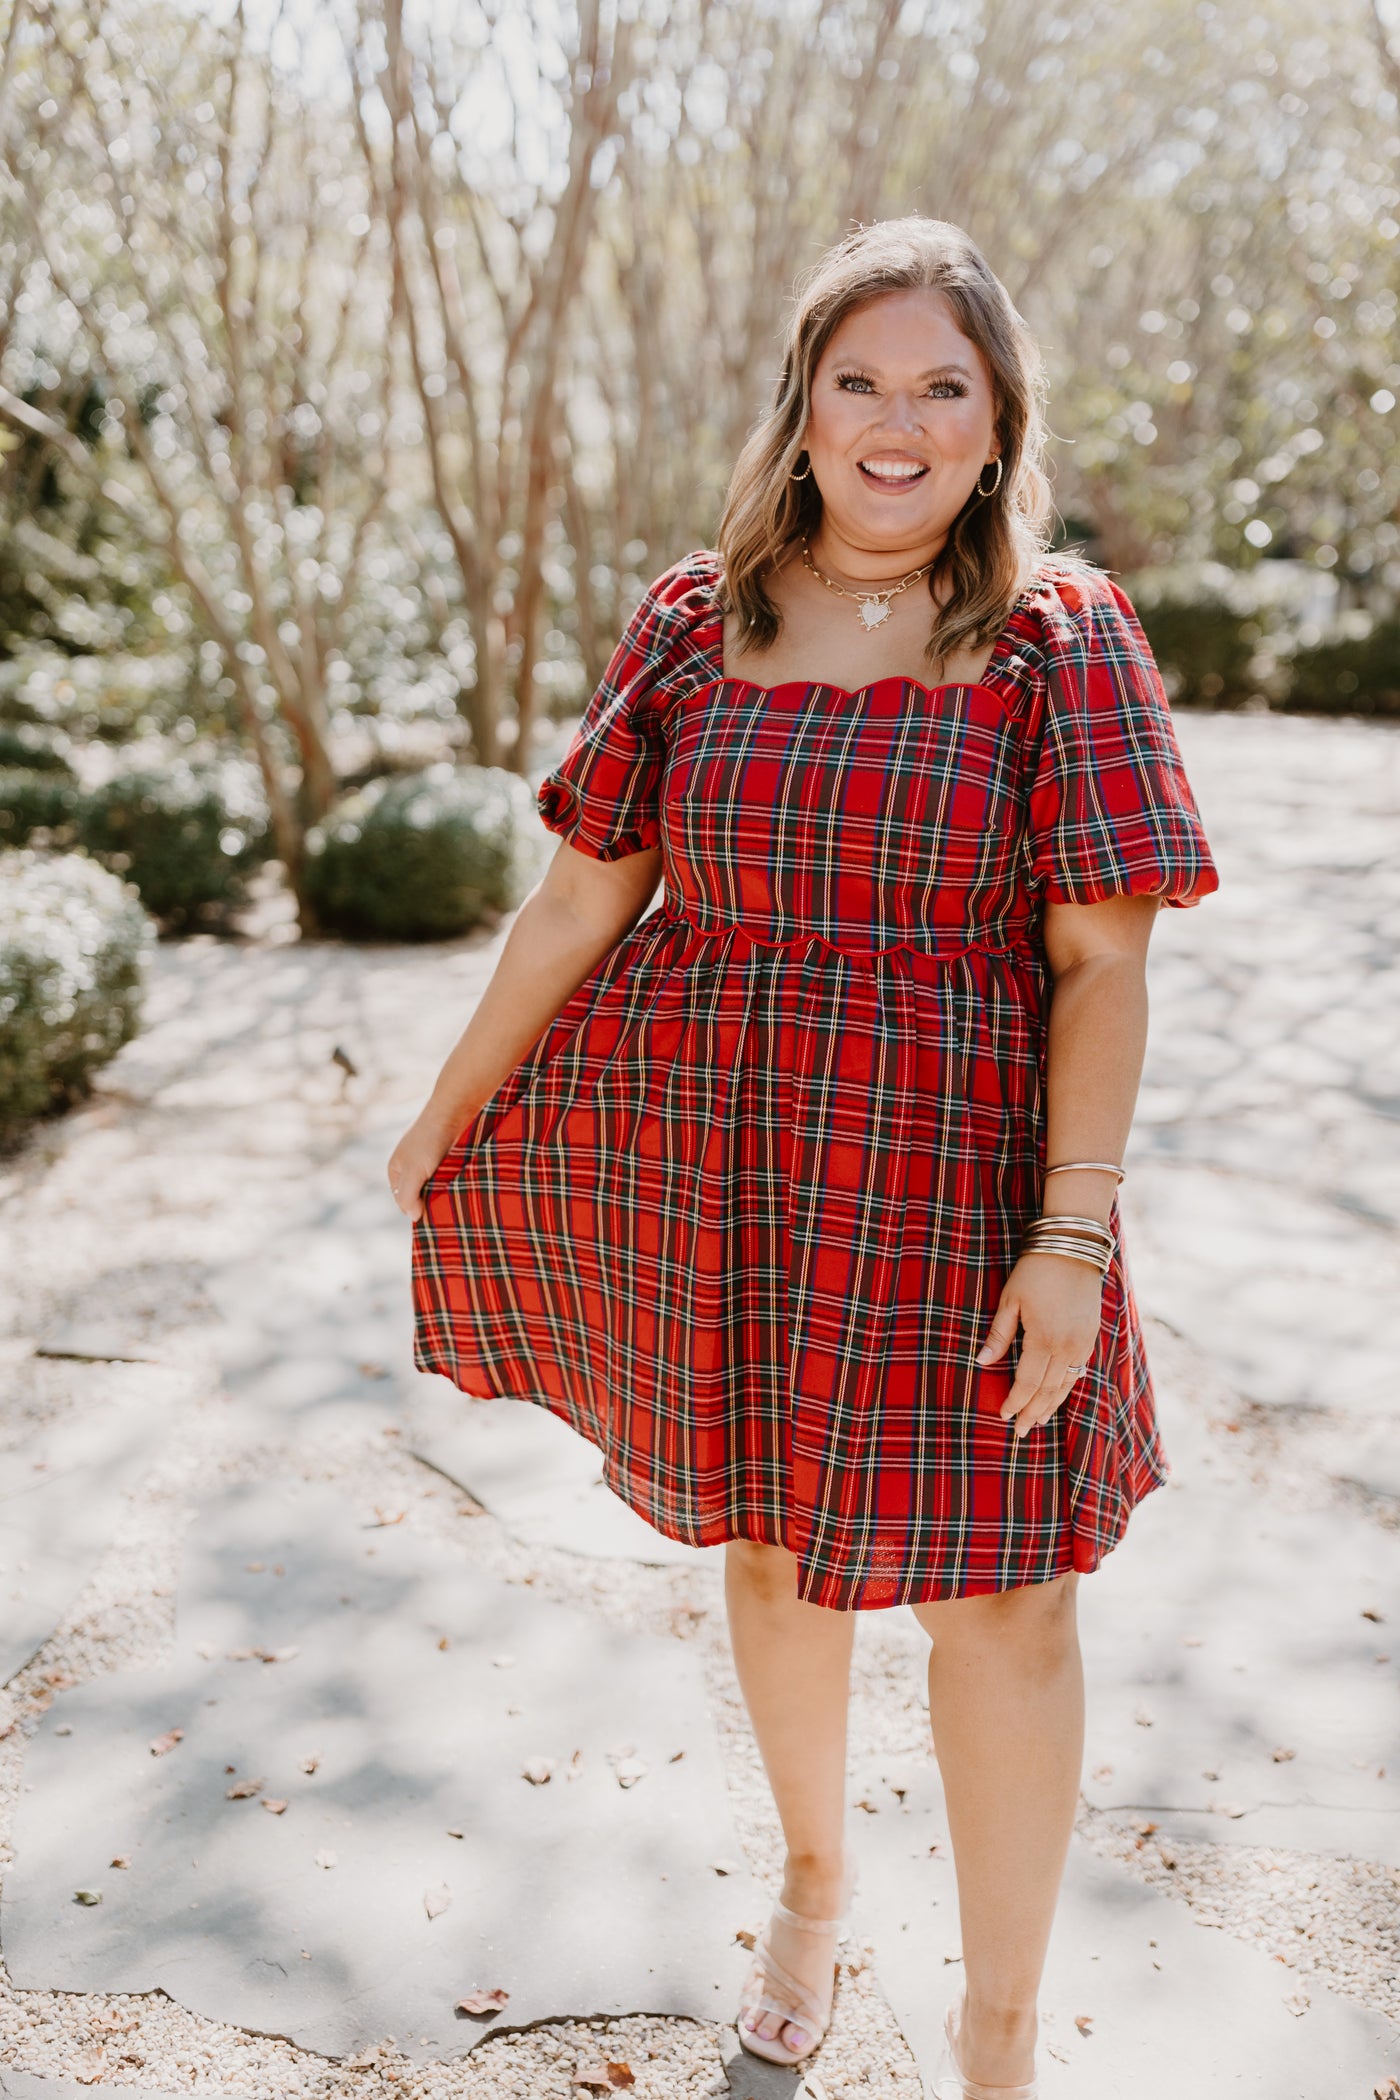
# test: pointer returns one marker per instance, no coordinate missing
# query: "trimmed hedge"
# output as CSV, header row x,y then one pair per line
x,y
31,748
186,836
1351,676
422,856
32,801
1204,648
73,940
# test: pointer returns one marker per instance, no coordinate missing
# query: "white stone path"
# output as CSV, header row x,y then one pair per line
x,y
203,1366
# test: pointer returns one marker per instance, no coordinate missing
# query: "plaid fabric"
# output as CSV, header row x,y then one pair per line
x,y
742,1213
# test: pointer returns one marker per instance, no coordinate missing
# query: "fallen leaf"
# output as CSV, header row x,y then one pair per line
x,y
325,1859
675,1757
725,1866
310,1764
1297,2003
444,1642
243,1789
1283,1757
436,1900
575,1765
1084,2022
481,2005
122,1860
630,1770
373,1371
163,1743
241,1655
1210,1775
620,2075
276,1655
455,1833
1377,1618
113,2019
872,1808
591,2078
384,1517
537,1771
746,1938
87,1896
275,1808
1167,1857
1143,1717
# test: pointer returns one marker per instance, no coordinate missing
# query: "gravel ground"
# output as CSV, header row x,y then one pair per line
x,y
227,1103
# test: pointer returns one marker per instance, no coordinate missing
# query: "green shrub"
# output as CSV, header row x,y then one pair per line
x,y
187,836
32,801
1352,675
30,748
1204,647
73,939
421,856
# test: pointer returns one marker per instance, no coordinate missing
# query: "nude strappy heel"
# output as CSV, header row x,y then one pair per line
x,y
952,2085
803,2007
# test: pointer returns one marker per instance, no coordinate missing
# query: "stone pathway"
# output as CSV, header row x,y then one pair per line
x,y
210,1435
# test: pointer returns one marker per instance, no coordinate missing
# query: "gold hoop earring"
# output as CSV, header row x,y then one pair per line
x,y
996,484
801,477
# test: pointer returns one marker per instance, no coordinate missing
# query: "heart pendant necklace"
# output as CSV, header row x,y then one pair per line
x,y
872,607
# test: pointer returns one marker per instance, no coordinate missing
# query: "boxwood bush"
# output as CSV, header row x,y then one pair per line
x,y
21,745
1351,675
421,856
1204,647
73,940
32,801
187,836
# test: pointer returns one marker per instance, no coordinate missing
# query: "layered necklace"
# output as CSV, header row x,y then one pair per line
x,y
872,607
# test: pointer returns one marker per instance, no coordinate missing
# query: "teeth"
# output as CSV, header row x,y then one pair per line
x,y
891,473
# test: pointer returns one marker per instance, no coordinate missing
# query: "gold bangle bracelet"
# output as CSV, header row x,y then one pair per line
x,y
1095,1261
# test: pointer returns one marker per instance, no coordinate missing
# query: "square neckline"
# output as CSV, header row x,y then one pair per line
x,y
1001,647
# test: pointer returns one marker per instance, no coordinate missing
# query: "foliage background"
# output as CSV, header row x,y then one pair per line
x,y
360,361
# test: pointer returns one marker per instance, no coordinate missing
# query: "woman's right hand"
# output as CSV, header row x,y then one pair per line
x,y
415,1158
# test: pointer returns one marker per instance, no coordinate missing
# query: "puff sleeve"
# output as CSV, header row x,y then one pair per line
x,y
604,796
1110,810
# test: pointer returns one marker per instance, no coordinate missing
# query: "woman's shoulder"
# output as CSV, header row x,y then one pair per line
x,y
1072,584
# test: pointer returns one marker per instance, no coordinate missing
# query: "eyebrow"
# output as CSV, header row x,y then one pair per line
x,y
932,372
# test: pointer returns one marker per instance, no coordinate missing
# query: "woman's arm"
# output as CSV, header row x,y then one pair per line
x,y
580,910
1097,1037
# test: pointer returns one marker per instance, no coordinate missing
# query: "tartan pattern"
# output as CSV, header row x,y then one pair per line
x,y
742,1213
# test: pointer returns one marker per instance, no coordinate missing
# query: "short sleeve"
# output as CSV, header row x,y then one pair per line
x,y
604,796
1111,812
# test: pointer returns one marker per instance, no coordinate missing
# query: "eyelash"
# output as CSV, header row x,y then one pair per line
x,y
959,389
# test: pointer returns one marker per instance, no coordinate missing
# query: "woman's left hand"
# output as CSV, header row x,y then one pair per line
x,y
1055,1299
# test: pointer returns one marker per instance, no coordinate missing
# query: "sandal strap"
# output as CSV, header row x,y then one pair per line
x,y
792,1917
808,2012
971,2089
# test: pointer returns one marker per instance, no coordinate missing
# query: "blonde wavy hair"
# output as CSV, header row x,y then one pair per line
x,y
995,544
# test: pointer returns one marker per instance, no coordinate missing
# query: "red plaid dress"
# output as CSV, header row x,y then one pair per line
x,y
742,1213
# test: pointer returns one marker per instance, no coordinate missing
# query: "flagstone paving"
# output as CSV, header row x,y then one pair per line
x,y
245,1254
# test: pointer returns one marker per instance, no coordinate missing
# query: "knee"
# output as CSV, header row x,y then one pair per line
x,y
767,1572
1038,1624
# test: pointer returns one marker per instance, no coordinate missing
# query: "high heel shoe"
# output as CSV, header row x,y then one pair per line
x,y
952,2085
803,2008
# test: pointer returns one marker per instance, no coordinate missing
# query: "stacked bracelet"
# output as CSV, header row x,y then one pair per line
x,y
1083,1239
1086,1166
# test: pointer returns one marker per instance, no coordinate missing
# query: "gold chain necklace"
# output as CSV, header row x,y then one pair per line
x,y
873,606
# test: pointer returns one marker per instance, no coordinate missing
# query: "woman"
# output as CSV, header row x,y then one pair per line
x,y
797,1195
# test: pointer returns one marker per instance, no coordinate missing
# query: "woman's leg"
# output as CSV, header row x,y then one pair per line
x,y
794,1666
1006,1697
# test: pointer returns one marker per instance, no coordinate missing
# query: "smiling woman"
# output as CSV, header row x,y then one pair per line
x,y
797,1193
